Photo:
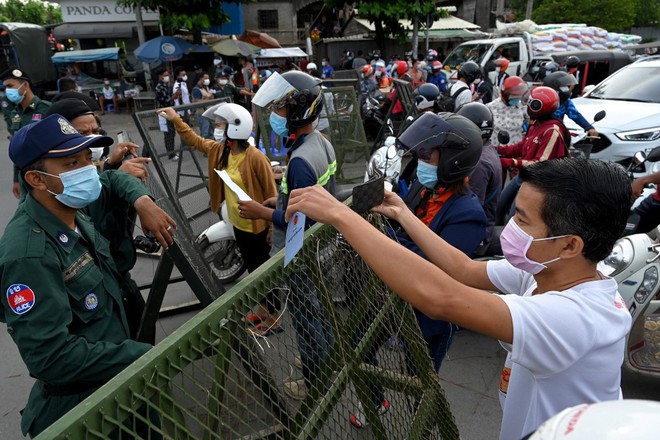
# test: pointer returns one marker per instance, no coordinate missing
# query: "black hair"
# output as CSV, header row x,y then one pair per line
x,y
37,165
224,157
67,84
587,198
161,70
178,70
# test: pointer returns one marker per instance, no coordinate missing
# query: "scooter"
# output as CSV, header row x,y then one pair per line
x,y
386,160
218,243
581,142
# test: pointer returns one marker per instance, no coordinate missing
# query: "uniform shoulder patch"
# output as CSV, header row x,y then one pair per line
x,y
5,104
21,298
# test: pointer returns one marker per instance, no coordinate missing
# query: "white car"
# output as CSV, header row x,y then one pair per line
x,y
630,98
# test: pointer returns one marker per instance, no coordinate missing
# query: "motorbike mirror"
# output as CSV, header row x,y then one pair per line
x,y
503,137
654,155
599,116
639,158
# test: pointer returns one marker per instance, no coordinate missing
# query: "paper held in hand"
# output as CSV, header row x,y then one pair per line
x,y
242,196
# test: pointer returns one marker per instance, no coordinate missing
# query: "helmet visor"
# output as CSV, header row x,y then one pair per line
x,y
427,133
274,93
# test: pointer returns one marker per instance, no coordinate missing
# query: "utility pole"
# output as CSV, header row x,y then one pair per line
x,y
141,39
530,6
499,11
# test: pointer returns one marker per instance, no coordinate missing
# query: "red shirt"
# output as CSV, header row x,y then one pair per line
x,y
544,140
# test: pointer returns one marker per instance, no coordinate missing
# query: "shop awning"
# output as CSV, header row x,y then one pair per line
x,y
97,30
282,52
86,56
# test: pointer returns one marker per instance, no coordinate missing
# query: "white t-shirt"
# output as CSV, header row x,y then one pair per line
x,y
184,98
567,348
464,97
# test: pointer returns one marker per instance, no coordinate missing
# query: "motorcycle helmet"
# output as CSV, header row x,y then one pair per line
x,y
349,55
543,101
561,82
425,95
401,68
481,115
380,64
311,66
237,118
375,54
548,67
572,62
502,63
367,70
630,419
470,71
298,91
456,138
514,87
431,55
437,65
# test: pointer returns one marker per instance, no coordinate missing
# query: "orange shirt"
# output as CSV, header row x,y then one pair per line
x,y
434,204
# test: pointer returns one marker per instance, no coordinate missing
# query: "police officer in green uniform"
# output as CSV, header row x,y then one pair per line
x,y
225,89
20,107
60,295
113,213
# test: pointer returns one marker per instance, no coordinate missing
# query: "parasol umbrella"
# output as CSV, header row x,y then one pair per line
x,y
165,48
259,39
233,48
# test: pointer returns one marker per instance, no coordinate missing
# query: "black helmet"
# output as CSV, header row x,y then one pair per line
x,y
456,138
480,115
572,62
425,95
375,53
561,82
298,91
470,71
548,67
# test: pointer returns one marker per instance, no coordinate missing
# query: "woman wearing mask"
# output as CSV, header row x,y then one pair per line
x,y
509,110
250,169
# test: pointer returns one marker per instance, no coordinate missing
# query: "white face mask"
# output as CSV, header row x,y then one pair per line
x,y
219,135
184,78
207,82
166,79
223,82
107,83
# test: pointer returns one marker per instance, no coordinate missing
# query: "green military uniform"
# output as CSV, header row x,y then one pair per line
x,y
110,215
63,308
16,117
228,91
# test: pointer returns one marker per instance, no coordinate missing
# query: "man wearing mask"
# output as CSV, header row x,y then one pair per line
x,y
180,93
468,75
202,92
63,305
108,93
164,99
20,107
225,89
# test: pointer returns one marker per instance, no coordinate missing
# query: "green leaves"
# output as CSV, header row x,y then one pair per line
x,y
31,11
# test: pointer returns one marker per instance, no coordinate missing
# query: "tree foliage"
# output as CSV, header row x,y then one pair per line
x,y
613,15
193,15
30,11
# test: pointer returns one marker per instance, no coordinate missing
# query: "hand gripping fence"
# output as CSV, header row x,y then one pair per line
x,y
343,346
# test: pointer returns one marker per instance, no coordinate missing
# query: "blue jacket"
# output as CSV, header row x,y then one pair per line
x,y
568,108
461,222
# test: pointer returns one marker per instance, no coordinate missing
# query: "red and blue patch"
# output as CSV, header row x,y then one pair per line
x,y
36,117
20,298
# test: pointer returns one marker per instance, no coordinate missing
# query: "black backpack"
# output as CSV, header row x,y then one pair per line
x,y
446,103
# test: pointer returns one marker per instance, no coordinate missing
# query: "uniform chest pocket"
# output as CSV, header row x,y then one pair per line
x,y
84,284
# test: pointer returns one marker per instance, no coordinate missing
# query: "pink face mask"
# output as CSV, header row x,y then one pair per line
x,y
515,244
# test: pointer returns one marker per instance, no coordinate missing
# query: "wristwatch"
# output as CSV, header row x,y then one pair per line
x,y
108,166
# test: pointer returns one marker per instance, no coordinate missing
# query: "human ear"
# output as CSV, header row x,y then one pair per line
x,y
36,180
573,247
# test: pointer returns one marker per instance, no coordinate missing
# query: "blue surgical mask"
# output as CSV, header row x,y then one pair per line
x,y
278,124
219,135
14,95
514,102
81,187
427,174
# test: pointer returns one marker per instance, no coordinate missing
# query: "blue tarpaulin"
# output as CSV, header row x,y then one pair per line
x,y
235,24
85,56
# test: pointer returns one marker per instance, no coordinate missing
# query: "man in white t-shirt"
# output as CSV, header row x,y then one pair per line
x,y
469,74
563,323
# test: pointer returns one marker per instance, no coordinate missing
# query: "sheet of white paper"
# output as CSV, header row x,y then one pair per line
x,y
242,196
294,237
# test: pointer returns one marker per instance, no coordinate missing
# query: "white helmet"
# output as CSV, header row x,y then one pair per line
x,y
312,66
238,119
380,64
616,419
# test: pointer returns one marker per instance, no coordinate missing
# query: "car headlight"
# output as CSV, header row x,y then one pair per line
x,y
648,284
620,257
646,134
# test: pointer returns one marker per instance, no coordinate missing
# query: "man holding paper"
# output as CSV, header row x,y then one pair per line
x,y
247,174
295,101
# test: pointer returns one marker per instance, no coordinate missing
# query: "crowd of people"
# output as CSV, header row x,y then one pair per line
x,y
558,318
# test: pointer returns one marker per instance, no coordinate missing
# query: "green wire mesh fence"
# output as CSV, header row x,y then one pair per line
x,y
343,347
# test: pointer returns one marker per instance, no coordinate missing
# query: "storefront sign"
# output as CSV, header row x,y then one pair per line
x,y
88,11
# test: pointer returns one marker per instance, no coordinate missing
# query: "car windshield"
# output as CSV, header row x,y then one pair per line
x,y
465,53
636,83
